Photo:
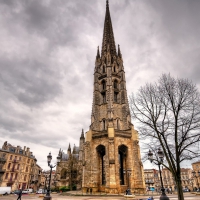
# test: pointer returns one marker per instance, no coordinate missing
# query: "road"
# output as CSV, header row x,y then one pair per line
x,y
188,196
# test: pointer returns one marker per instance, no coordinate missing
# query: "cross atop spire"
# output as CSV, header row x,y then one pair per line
x,y
108,35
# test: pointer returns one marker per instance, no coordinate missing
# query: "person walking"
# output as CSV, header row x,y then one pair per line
x,y
19,194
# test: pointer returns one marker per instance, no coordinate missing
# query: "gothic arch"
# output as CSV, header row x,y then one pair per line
x,y
101,151
122,153
103,85
115,68
118,123
63,173
104,68
115,84
104,124
116,91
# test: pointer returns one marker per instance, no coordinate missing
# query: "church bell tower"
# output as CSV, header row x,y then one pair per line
x,y
111,159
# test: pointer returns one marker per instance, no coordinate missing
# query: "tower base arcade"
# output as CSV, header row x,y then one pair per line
x,y
112,162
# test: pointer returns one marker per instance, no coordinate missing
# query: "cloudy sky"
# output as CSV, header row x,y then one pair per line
x,y
47,58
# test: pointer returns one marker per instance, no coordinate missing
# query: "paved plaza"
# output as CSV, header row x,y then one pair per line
x,y
188,196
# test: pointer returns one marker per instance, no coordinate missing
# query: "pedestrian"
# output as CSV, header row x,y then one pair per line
x,y
19,194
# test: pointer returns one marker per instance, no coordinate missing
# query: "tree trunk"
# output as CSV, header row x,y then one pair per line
x,y
179,190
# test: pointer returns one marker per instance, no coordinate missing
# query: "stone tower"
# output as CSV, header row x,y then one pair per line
x,y
111,159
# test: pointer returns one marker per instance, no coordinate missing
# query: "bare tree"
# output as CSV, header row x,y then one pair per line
x,y
168,113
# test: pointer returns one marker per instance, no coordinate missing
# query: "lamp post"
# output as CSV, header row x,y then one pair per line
x,y
159,161
197,176
128,174
49,158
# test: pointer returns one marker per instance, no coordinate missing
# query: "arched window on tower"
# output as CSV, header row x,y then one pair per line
x,y
118,124
104,69
102,167
122,154
103,85
115,84
104,124
63,173
103,97
114,69
115,97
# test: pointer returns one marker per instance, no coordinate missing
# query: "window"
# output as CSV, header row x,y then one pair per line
x,y
11,176
15,157
104,69
28,161
104,97
25,177
26,169
6,176
118,124
18,166
16,176
103,85
104,124
10,157
9,164
115,84
115,96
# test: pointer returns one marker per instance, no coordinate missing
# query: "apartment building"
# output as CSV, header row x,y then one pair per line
x,y
18,167
196,175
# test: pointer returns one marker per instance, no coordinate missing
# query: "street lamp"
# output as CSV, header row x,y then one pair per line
x,y
49,158
128,173
196,176
159,161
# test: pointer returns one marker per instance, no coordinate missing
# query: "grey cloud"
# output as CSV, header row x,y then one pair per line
x,y
32,82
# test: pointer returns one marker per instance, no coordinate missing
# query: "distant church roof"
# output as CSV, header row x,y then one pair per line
x,y
65,156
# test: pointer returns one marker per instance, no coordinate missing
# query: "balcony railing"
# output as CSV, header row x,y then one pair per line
x,y
15,161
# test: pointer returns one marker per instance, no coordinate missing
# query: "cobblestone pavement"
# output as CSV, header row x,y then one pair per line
x,y
188,196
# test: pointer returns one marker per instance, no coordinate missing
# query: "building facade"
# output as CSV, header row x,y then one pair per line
x,y
44,183
17,167
196,177
111,151
152,179
69,169
186,178
35,177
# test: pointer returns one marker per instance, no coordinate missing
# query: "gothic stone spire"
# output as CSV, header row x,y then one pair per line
x,y
108,35
82,134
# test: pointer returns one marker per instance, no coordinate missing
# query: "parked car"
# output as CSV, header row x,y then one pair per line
x,y
40,191
5,190
27,191
15,192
